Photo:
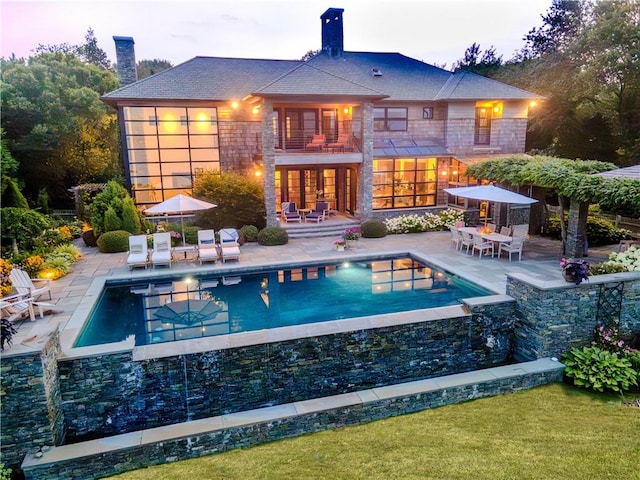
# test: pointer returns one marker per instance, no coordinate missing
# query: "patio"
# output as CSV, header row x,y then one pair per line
x,y
540,260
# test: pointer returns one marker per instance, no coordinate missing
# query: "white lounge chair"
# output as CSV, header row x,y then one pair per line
x,y
207,251
14,307
161,254
229,244
138,252
25,285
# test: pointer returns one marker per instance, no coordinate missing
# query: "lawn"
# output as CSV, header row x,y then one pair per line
x,y
550,432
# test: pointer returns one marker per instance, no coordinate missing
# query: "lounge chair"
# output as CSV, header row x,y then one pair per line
x,y
317,142
14,307
161,254
343,143
27,286
229,244
207,250
319,213
138,252
515,246
290,212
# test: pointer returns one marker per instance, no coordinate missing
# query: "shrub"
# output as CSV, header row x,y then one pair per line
x,y
606,267
111,220
56,267
240,200
599,231
32,265
130,217
112,196
5,282
250,232
598,369
65,233
629,259
113,242
373,229
23,226
273,235
70,249
191,235
49,239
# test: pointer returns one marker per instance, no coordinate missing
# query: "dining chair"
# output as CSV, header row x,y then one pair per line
x,y
467,240
514,246
491,226
482,245
506,231
456,237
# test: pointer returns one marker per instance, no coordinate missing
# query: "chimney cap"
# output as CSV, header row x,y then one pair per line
x,y
123,39
376,72
331,12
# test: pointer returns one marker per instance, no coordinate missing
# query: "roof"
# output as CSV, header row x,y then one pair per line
x,y
403,147
632,172
397,78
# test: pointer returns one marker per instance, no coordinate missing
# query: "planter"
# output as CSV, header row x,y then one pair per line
x,y
570,277
340,248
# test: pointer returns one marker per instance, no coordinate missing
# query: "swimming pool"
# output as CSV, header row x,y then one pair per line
x,y
170,309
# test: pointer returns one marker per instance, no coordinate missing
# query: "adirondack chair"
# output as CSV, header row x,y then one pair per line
x,y
27,286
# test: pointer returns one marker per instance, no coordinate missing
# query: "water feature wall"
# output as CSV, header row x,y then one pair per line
x,y
111,394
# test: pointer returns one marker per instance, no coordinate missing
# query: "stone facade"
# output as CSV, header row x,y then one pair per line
x,y
554,318
111,394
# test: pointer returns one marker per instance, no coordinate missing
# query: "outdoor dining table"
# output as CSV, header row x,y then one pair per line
x,y
491,236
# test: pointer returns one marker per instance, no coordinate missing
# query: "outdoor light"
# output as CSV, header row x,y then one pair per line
x,y
533,103
444,173
496,109
235,104
255,110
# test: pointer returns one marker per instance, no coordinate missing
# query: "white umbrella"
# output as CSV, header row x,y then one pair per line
x,y
490,193
180,204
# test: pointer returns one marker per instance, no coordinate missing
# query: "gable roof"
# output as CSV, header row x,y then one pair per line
x,y
396,78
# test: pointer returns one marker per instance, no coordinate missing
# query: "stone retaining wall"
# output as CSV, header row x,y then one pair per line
x,y
111,394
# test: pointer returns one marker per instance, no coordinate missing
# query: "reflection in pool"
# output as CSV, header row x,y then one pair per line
x,y
165,310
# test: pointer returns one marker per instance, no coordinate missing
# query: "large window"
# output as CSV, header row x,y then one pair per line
x,y
167,147
390,119
404,182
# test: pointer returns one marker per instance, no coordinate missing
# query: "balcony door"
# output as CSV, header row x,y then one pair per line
x,y
299,126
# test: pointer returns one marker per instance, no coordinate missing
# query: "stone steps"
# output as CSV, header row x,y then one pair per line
x,y
332,227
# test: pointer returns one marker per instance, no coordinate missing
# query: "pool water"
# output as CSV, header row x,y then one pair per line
x,y
183,308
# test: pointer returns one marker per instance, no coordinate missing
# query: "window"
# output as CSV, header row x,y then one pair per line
x,y
404,183
167,146
390,119
483,126
427,112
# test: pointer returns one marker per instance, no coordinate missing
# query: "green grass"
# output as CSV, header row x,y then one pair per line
x,y
550,432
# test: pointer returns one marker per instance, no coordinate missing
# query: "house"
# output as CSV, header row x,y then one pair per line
x,y
375,134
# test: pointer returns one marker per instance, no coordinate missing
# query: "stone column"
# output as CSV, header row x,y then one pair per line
x,y
269,162
365,173
576,229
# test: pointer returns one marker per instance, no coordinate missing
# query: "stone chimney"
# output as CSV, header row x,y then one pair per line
x,y
126,60
332,33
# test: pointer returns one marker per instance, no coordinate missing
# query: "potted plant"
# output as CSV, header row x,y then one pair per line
x,y
351,235
574,270
339,244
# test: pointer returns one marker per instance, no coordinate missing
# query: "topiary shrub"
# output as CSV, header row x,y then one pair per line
x,y
111,220
130,217
250,232
113,242
373,229
273,235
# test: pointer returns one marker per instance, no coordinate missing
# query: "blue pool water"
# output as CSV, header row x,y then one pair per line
x,y
183,308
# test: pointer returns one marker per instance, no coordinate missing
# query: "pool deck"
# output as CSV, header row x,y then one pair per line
x,y
69,293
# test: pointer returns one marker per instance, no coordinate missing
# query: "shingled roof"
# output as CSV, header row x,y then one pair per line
x,y
389,76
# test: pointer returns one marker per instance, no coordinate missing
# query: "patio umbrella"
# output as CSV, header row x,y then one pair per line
x,y
490,193
187,312
180,204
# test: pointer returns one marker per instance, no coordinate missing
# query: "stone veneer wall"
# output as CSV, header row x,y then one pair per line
x,y
112,394
554,318
30,402
196,445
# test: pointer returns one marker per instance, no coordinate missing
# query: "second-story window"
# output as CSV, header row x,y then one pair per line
x,y
390,119
483,126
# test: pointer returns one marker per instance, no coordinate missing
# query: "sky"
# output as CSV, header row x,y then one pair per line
x,y
434,31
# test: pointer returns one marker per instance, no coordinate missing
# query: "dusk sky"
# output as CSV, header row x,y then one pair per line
x,y
434,31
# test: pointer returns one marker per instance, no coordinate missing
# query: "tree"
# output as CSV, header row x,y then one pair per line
x,y
88,52
309,55
56,126
146,68
482,64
